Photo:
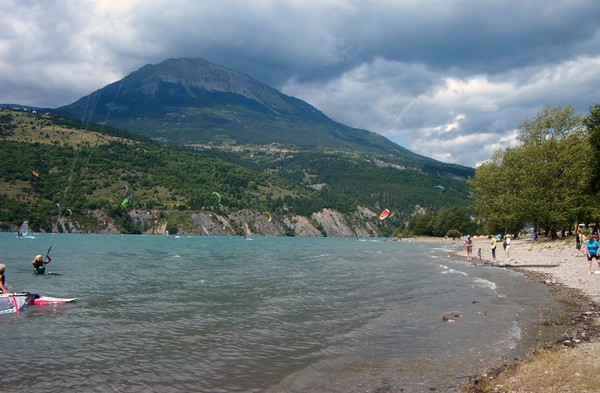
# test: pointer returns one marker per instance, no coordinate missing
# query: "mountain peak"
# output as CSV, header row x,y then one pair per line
x,y
193,75
194,102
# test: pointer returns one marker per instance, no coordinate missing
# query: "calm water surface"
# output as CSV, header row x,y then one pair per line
x,y
229,314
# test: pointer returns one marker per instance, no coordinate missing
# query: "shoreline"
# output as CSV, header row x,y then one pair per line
x,y
554,264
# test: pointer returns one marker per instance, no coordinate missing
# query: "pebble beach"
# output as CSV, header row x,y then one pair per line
x,y
556,264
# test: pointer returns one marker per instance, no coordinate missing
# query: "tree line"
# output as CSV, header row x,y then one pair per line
x,y
550,181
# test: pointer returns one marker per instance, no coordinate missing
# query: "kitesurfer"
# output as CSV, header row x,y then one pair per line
x,y
39,265
3,288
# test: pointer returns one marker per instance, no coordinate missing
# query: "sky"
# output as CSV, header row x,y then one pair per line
x,y
449,79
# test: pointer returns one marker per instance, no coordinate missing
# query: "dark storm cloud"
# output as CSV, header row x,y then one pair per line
x,y
448,79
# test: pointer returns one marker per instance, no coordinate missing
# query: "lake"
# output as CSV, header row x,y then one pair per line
x,y
263,314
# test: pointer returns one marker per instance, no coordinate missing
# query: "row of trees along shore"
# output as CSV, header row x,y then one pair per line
x,y
550,181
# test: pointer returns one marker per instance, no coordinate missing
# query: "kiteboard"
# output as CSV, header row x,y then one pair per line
x,y
50,300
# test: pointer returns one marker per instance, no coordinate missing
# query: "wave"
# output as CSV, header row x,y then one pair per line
x,y
485,283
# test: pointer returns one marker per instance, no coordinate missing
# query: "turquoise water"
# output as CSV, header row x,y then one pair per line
x,y
229,314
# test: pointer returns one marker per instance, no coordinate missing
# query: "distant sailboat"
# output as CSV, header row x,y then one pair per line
x,y
24,230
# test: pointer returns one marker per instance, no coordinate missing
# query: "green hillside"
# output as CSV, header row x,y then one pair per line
x,y
82,170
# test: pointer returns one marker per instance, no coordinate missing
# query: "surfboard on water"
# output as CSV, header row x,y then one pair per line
x,y
51,300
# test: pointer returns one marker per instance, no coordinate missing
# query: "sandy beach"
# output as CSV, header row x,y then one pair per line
x,y
574,365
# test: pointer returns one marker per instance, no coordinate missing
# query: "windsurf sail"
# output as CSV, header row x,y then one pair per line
x,y
24,229
384,214
15,302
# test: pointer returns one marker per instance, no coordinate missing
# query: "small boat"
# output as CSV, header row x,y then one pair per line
x,y
15,302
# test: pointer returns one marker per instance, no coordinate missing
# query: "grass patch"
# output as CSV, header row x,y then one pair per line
x,y
554,370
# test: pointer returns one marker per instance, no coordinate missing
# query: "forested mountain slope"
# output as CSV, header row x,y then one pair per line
x,y
263,190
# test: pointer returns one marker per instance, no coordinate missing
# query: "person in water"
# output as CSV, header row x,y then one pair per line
x,y
39,265
3,288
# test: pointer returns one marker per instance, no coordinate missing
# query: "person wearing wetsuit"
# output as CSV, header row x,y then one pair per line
x,y
39,265
3,288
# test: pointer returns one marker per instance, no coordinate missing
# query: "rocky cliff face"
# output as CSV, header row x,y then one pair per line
x,y
326,223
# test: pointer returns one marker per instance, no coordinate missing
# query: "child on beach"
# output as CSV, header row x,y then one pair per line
x,y
479,254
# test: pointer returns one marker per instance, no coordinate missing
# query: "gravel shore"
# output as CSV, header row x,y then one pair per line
x,y
554,263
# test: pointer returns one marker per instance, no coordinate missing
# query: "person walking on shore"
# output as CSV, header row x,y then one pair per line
x,y
591,251
469,246
578,240
493,247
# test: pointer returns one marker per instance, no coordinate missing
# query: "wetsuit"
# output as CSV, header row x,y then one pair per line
x,y
39,267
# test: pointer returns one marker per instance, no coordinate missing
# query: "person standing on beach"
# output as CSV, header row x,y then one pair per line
x,y
591,251
493,247
469,246
578,238
506,243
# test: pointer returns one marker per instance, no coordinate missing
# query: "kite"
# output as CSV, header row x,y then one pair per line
x,y
35,174
384,214
441,188
128,195
268,216
218,197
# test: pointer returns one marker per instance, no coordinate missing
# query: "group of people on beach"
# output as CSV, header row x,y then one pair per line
x,y
588,247
39,267
506,240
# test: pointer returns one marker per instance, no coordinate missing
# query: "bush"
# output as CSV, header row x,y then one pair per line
x,y
454,234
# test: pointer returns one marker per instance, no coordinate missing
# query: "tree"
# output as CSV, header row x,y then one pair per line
x,y
550,123
543,182
592,123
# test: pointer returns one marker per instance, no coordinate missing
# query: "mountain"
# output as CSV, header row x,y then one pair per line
x,y
192,102
178,131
